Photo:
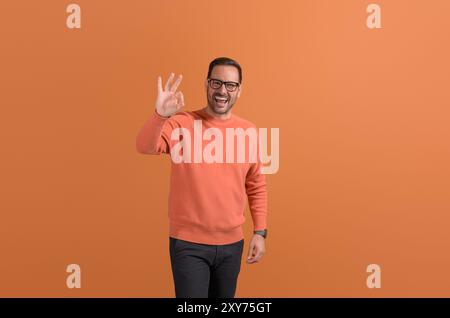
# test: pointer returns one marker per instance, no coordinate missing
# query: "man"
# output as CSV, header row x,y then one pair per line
x,y
207,199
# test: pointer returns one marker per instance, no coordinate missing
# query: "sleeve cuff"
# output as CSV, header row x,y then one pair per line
x,y
159,116
259,223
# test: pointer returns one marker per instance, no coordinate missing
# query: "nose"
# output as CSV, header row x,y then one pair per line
x,y
223,90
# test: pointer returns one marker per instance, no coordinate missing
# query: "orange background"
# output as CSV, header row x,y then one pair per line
x,y
364,130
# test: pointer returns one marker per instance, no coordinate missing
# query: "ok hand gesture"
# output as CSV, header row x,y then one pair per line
x,y
169,101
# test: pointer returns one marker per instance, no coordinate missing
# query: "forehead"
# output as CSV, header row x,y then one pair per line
x,y
225,73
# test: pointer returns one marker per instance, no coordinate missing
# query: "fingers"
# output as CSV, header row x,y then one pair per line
x,y
250,257
166,88
258,256
177,82
255,258
159,84
255,253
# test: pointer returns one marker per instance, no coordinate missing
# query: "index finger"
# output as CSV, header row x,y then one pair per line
x,y
169,80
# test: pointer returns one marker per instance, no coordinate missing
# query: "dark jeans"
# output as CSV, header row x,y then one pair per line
x,y
201,270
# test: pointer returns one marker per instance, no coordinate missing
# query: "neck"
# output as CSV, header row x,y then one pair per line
x,y
218,116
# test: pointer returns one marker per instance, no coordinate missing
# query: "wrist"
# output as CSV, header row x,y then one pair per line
x,y
159,115
262,233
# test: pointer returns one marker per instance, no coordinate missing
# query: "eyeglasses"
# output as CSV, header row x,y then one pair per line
x,y
216,84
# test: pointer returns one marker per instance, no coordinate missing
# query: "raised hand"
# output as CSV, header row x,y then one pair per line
x,y
169,101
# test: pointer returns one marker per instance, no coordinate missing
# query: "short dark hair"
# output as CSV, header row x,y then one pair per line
x,y
225,61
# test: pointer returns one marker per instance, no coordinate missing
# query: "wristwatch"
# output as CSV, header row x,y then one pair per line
x,y
263,233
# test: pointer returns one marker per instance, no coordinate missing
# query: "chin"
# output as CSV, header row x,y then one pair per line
x,y
221,111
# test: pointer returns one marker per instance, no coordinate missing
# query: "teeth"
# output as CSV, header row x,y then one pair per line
x,y
221,99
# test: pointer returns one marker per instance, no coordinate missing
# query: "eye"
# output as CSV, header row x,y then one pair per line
x,y
231,86
216,84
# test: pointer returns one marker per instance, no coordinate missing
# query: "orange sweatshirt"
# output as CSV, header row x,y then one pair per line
x,y
207,200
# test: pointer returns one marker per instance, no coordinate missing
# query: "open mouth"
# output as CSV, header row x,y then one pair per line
x,y
221,101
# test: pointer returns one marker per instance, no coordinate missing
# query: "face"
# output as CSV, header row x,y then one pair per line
x,y
220,100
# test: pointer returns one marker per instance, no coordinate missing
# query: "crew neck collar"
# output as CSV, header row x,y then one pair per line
x,y
217,120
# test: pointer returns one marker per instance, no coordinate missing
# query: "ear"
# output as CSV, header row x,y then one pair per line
x,y
239,90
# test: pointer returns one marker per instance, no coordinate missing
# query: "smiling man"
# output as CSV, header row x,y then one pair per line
x,y
207,200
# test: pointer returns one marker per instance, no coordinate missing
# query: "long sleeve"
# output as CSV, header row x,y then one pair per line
x,y
255,185
150,139
154,138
